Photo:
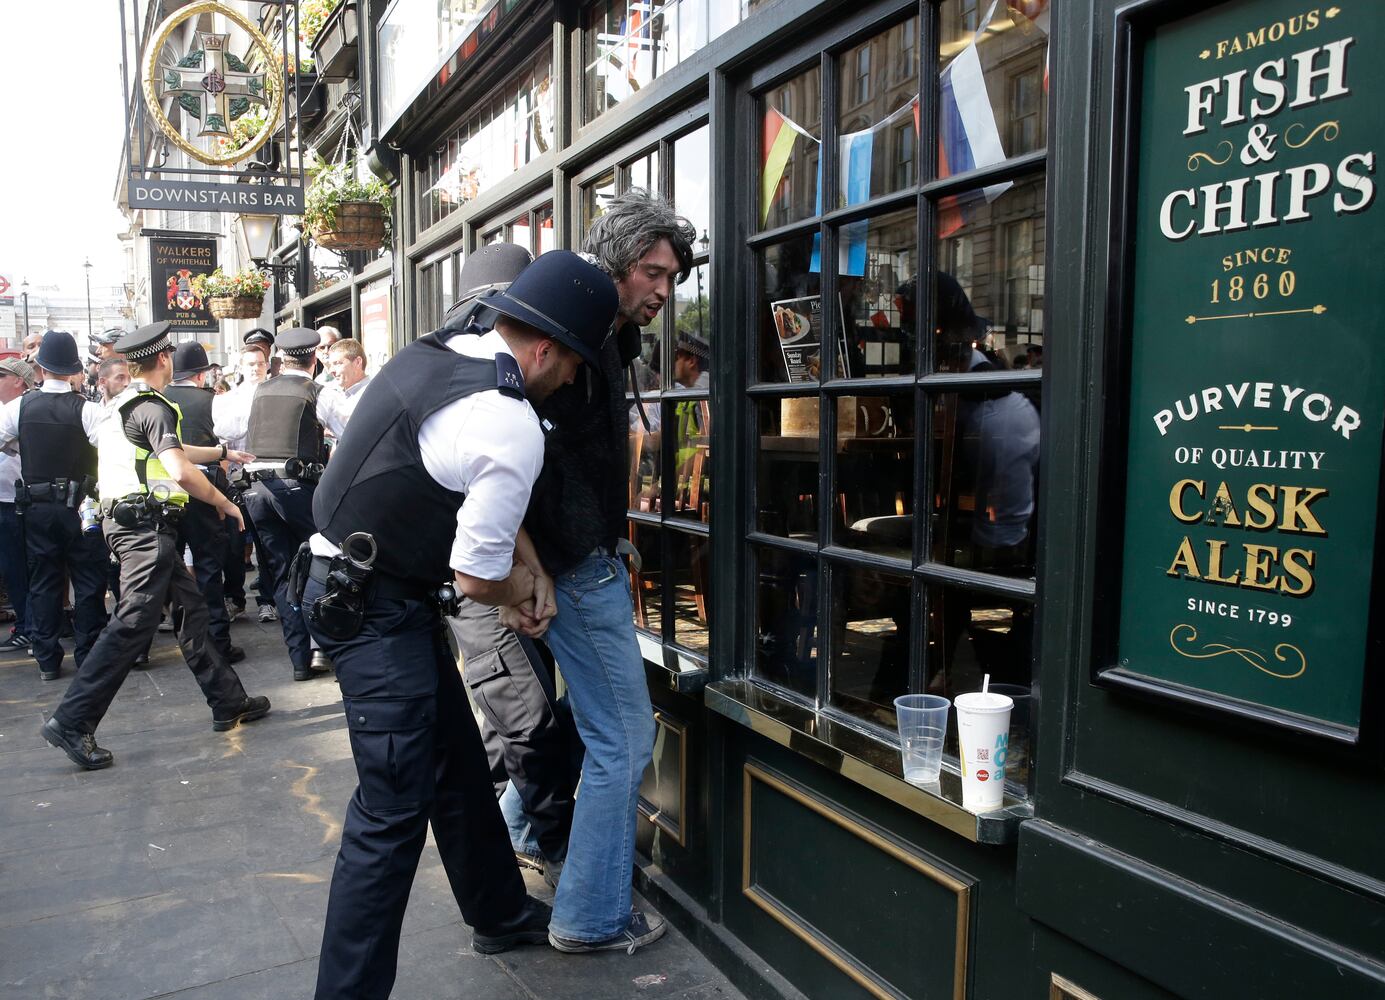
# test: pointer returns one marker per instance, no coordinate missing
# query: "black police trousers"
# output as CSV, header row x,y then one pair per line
x,y
204,533
418,761
282,510
55,542
151,571
530,737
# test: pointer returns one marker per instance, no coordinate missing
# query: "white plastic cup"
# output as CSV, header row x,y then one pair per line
x,y
983,741
922,721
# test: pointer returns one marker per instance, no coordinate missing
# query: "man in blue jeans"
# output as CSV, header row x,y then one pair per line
x,y
576,520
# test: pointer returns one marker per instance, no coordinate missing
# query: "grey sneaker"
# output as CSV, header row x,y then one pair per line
x,y
268,614
643,928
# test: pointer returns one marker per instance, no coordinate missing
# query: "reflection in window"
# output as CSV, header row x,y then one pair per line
x,y
876,127
786,618
874,480
971,634
547,238
986,479
786,494
790,309
691,565
791,118
628,43
645,468
505,132
871,618
646,583
596,198
991,289
877,274
691,189
692,458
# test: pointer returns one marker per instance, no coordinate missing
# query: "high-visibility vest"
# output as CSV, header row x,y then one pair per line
x,y
123,469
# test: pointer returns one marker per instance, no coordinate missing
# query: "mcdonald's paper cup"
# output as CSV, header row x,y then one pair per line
x,y
983,736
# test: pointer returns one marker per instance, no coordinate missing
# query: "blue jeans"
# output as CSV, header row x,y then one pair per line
x,y
14,567
593,640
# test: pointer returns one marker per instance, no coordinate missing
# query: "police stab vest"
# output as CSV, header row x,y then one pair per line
x,y
126,469
283,420
376,481
195,404
52,443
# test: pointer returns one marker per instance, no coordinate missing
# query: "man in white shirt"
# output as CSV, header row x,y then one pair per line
x,y
346,363
392,497
326,337
16,378
230,418
55,431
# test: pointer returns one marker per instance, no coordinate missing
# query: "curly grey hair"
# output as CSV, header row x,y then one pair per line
x,y
631,226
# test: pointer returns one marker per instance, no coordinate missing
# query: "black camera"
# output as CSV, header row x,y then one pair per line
x,y
297,468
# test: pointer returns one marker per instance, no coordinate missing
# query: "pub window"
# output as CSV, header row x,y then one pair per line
x,y
1025,107
670,474
885,452
509,129
530,228
626,44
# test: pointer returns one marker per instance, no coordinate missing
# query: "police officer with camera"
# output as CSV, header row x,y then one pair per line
x,y
447,420
203,528
146,478
56,429
285,433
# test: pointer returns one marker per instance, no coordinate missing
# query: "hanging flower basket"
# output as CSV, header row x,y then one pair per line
x,y
235,307
355,225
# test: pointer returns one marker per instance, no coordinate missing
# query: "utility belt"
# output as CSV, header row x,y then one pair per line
x,y
350,582
68,492
302,469
143,510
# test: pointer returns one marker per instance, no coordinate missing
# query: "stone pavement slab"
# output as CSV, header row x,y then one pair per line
x,y
198,866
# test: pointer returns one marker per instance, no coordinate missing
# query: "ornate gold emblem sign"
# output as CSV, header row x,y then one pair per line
x,y
212,84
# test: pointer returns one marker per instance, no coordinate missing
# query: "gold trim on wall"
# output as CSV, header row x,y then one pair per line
x,y
1060,988
872,985
646,809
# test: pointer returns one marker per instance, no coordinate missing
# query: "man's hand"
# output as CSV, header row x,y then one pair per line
x,y
545,606
241,457
521,618
225,508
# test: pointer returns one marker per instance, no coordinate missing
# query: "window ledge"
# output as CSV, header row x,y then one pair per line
x,y
670,668
863,759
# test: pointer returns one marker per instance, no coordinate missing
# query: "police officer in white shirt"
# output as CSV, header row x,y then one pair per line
x,y
447,420
230,420
55,429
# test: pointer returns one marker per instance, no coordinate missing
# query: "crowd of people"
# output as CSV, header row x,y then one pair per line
x,y
480,475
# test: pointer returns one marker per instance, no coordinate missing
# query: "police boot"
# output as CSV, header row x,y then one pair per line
x,y
80,747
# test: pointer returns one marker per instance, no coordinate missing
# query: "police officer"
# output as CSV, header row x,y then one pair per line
x,y
146,477
202,528
285,434
528,733
446,420
56,431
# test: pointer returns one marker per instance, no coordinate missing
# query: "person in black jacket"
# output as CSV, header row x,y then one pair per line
x,y
577,522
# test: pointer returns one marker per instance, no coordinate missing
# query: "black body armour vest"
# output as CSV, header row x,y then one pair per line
x,y
196,404
376,481
283,420
52,443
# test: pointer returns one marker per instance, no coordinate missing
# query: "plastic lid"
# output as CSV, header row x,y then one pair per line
x,y
983,701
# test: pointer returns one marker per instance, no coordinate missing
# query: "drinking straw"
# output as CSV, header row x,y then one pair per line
x,y
986,684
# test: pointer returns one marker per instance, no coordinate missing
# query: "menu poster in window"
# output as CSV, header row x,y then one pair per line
x,y
376,338
174,260
1253,313
799,325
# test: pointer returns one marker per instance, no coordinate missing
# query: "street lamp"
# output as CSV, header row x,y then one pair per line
x,y
24,294
86,265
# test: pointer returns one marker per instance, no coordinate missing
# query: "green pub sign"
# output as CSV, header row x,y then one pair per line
x,y
1252,304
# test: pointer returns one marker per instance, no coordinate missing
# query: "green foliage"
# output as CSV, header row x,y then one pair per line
x,y
250,283
312,14
333,185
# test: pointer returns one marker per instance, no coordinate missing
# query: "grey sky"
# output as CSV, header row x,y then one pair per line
x,y
60,81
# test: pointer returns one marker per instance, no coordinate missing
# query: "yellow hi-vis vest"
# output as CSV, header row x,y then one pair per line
x,y
122,469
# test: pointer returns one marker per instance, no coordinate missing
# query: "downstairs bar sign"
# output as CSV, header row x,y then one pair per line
x,y
1257,368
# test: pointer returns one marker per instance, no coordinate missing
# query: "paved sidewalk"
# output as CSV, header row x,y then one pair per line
x,y
197,867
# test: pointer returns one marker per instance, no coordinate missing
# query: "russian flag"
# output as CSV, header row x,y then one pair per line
x,y
968,136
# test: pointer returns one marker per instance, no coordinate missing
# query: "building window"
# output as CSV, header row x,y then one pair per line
x,y
509,129
866,501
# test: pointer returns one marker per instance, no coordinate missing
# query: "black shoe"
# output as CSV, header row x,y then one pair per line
x,y
80,747
528,926
50,675
248,711
643,929
17,640
311,670
233,655
142,661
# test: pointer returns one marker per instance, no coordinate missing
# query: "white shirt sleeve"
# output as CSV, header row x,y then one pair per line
x,y
331,406
490,447
231,417
9,423
93,416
